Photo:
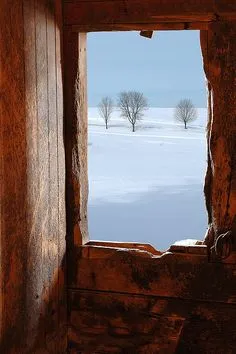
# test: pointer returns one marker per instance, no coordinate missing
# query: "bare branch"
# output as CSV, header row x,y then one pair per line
x,y
185,112
132,105
105,108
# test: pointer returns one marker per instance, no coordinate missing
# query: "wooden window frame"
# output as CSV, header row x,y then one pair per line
x,y
81,17
117,279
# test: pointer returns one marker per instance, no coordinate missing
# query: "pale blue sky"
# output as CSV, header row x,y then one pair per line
x,y
166,68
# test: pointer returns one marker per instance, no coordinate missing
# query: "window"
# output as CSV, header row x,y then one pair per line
x,y
146,186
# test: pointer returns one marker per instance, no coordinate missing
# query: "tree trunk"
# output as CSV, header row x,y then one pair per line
x,y
185,125
106,125
219,55
133,125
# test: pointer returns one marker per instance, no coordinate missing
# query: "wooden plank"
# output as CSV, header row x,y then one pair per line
x,y
111,322
163,26
34,254
13,174
141,246
29,185
51,333
51,263
131,12
115,323
176,275
43,156
75,101
62,296
80,300
94,12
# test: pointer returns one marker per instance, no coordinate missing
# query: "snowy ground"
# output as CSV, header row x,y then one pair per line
x,y
147,186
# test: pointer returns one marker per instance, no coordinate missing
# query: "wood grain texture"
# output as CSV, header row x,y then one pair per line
x,y
14,223
152,26
219,55
61,276
174,274
127,245
95,13
116,323
75,98
106,322
133,301
32,171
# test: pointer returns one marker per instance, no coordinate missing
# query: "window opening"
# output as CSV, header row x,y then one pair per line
x,y
146,186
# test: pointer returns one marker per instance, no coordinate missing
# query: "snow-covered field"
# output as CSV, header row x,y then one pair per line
x,y
147,186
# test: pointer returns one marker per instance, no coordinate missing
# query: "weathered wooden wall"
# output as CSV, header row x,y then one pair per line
x,y
132,323
120,300
32,178
133,301
113,15
219,55
130,298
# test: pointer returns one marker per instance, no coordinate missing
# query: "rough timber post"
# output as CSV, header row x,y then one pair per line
x,y
75,101
219,56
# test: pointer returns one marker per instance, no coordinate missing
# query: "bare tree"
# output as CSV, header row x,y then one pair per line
x,y
106,107
185,112
132,105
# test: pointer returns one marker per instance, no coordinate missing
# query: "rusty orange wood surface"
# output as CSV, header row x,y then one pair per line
x,y
178,274
75,99
119,323
131,300
121,296
92,15
32,178
219,55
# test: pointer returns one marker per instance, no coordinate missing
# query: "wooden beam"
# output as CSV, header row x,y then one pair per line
x,y
93,13
115,244
186,275
164,26
75,102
